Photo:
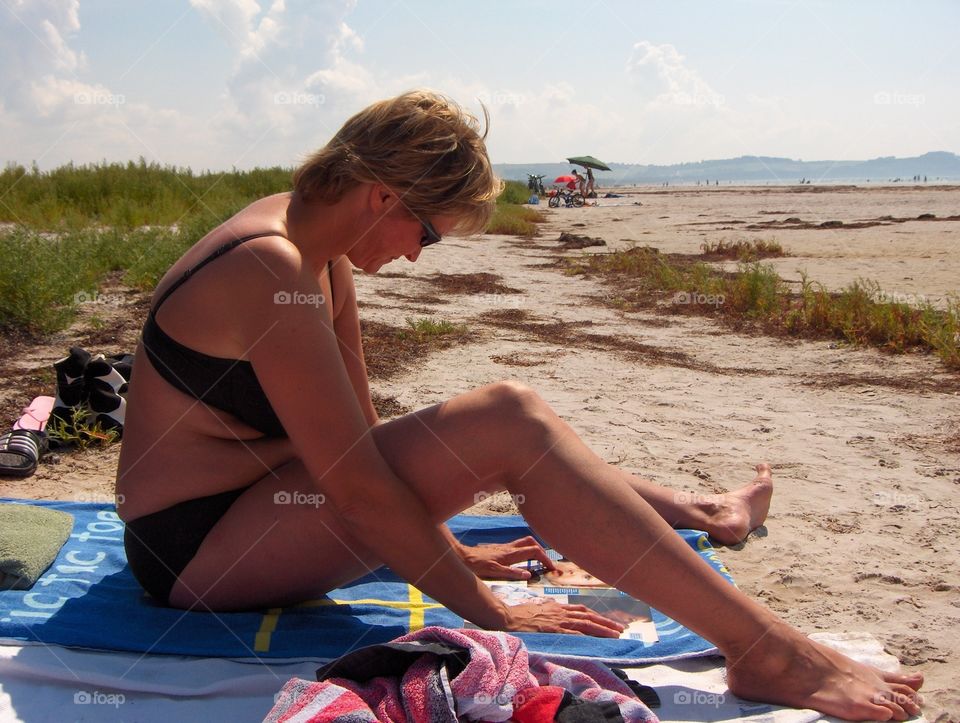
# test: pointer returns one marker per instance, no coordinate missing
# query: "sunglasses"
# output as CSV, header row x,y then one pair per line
x,y
430,235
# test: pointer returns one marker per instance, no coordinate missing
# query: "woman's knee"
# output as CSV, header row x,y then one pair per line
x,y
519,410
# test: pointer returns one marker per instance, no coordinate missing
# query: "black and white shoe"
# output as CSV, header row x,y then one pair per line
x,y
20,450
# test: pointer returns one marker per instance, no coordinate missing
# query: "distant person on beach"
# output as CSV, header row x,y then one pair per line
x,y
590,183
580,181
256,473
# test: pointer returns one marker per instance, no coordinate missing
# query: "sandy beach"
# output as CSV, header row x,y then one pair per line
x,y
865,446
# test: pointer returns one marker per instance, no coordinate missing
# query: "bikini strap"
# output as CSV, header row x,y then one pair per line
x,y
217,253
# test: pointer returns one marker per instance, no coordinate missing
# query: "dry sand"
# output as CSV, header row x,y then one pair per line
x,y
865,446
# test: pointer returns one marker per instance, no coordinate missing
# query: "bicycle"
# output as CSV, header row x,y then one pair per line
x,y
570,198
535,184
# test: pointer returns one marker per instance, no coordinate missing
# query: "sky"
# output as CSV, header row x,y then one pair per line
x,y
220,84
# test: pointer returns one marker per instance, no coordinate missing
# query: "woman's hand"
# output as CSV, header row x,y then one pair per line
x,y
493,561
553,617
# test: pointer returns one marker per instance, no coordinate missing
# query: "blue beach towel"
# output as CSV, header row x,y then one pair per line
x,y
90,599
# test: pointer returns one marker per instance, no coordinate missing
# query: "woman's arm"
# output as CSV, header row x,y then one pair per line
x,y
494,561
347,326
297,358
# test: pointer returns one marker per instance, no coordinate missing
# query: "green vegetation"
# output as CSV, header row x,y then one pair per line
x,y
129,196
859,314
514,193
742,249
515,221
511,217
76,224
52,273
80,433
425,328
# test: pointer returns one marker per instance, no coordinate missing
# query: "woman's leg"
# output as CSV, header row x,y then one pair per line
x,y
588,510
729,517
503,436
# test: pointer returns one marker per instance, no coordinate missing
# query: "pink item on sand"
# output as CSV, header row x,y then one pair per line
x,y
35,415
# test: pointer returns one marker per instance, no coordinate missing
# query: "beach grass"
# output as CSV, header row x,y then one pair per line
x,y
515,221
74,225
425,328
128,195
742,249
859,314
514,194
54,273
511,217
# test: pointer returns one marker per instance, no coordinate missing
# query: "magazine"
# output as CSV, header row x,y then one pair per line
x,y
573,585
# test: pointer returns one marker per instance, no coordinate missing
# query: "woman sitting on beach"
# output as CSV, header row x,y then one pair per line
x,y
255,473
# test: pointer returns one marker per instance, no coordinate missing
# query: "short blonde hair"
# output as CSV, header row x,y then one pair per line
x,y
423,146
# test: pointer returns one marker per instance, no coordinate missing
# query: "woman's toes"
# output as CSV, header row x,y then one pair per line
x,y
894,711
906,697
914,680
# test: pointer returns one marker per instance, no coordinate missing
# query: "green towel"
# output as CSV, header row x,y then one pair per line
x,y
30,538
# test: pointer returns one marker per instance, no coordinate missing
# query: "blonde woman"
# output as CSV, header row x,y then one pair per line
x,y
255,472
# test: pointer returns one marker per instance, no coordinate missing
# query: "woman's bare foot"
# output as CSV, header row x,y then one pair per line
x,y
787,668
729,518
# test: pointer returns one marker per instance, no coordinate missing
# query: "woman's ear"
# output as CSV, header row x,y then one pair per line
x,y
381,199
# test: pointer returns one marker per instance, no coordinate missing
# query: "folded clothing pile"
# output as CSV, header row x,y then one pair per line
x,y
30,538
442,674
93,385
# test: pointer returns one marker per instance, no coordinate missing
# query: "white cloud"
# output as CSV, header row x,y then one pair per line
x,y
36,45
56,113
291,70
661,72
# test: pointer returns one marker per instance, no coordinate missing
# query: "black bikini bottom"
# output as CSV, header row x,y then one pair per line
x,y
160,545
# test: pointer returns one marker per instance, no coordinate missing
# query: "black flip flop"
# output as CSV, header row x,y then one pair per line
x,y
19,451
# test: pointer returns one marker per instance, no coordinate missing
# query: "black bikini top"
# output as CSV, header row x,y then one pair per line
x,y
230,385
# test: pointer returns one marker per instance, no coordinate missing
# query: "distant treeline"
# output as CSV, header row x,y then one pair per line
x,y
129,195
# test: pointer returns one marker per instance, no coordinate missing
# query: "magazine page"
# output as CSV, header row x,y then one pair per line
x,y
573,585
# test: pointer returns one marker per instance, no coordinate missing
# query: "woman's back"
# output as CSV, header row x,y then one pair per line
x,y
175,445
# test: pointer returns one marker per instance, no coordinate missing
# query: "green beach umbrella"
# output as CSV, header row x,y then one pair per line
x,y
589,162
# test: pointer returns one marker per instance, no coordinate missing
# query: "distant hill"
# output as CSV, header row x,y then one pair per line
x,y
936,166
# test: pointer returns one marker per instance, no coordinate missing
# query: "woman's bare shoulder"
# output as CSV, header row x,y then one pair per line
x,y
266,215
